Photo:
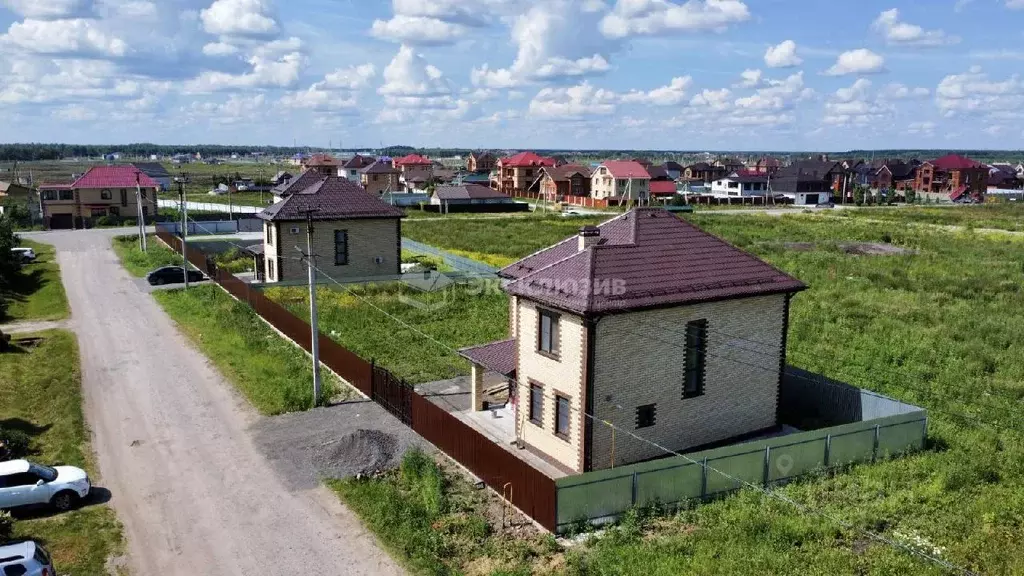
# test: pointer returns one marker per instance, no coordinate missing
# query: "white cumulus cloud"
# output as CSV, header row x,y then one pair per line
x,y
239,17
47,9
860,61
901,33
79,36
648,17
670,95
782,56
573,102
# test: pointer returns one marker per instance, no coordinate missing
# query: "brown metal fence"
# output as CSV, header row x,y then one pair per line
x,y
526,487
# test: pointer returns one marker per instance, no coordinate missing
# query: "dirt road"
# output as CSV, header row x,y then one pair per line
x,y
194,493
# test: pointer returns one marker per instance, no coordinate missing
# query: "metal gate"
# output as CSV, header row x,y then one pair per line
x,y
391,392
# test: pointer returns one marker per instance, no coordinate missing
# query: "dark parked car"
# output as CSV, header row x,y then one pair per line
x,y
172,275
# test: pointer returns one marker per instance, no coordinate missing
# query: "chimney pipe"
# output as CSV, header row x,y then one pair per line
x,y
589,236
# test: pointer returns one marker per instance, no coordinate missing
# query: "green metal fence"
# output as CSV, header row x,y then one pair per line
x,y
605,494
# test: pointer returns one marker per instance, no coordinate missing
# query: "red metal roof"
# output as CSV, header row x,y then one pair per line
x,y
956,194
526,159
645,258
56,186
955,162
663,188
114,177
412,160
626,169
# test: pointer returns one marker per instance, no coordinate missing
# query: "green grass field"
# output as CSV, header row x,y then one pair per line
x,y
271,372
1001,216
941,327
456,317
37,292
40,394
139,263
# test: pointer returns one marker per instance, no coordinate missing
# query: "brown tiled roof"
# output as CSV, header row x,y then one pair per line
x,y
499,357
332,198
563,172
466,192
358,162
303,181
380,167
321,160
645,258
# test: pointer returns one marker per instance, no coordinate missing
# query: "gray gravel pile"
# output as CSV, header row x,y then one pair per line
x,y
365,452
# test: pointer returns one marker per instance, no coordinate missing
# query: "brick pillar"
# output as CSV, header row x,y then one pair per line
x,y
476,377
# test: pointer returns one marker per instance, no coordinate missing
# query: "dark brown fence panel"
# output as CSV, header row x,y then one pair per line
x,y
531,491
393,393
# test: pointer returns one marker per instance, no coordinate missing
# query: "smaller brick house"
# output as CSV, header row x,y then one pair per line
x,y
325,164
355,235
351,167
704,172
481,162
381,177
635,322
566,180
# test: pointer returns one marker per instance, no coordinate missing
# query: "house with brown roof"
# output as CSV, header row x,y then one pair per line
x,y
516,173
416,171
620,179
703,171
100,191
323,163
959,176
381,177
567,180
355,234
351,167
630,323
481,162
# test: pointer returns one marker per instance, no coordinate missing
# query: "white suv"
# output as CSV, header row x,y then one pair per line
x,y
25,558
23,483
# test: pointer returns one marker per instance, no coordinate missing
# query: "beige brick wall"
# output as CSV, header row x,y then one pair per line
x,y
367,239
562,376
93,197
425,171
383,183
639,360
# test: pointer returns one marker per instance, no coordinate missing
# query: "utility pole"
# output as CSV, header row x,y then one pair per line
x,y
141,216
314,346
184,227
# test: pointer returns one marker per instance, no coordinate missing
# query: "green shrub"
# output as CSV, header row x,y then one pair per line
x,y
6,526
17,442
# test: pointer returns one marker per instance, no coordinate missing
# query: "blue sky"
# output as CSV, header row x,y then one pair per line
x,y
659,74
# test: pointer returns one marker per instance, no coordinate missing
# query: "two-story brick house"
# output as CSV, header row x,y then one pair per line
x,y
101,191
416,171
566,180
620,179
957,175
481,162
636,322
351,167
517,173
381,177
704,172
355,234
325,164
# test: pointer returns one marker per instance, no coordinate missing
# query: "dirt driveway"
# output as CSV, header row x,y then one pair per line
x,y
195,493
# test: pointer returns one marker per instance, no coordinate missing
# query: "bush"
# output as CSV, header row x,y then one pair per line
x,y
14,444
6,526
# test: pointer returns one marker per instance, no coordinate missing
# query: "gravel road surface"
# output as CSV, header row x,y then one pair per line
x,y
194,492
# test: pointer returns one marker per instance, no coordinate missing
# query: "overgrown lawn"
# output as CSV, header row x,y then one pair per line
x,y
40,396
37,292
272,373
139,263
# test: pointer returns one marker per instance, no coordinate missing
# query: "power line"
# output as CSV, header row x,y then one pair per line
x,y
769,493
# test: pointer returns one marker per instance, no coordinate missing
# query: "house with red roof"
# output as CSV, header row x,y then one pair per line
x,y
416,171
620,180
633,322
516,173
960,177
101,191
